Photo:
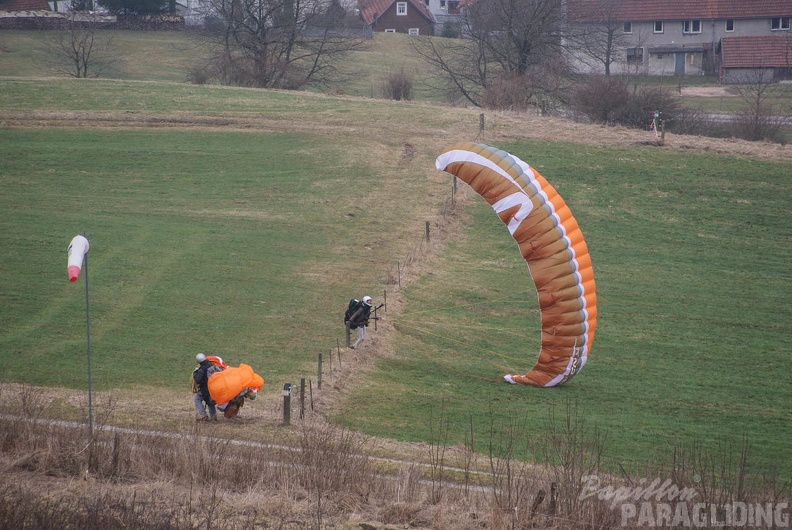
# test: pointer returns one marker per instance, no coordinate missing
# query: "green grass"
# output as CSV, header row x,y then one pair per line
x,y
200,241
691,255
30,54
247,241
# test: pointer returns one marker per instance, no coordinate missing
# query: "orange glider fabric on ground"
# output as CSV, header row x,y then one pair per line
x,y
226,385
552,245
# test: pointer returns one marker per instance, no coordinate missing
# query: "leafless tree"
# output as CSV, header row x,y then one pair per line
x,y
595,33
759,119
279,43
502,40
82,49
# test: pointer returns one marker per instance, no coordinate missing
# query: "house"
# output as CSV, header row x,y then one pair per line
x,y
397,16
752,59
677,37
448,18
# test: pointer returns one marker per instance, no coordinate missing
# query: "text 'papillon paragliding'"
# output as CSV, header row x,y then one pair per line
x,y
551,244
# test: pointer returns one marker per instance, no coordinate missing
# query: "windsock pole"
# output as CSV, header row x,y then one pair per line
x,y
78,256
88,340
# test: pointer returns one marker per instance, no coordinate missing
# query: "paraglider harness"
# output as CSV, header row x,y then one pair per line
x,y
352,308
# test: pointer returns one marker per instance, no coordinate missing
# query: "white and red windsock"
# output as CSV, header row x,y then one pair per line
x,y
78,248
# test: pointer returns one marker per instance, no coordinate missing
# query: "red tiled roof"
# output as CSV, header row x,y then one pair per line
x,y
646,10
371,10
770,51
24,5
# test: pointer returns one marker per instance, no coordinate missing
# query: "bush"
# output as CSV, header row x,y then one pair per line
x,y
508,93
398,86
602,99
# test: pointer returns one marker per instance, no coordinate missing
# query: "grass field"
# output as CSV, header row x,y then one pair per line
x,y
691,265
240,222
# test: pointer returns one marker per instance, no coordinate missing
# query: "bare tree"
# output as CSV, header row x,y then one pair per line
x,y
502,40
759,120
82,49
279,43
595,33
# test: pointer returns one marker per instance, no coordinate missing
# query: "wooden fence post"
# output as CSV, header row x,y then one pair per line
x,y
287,404
302,398
319,373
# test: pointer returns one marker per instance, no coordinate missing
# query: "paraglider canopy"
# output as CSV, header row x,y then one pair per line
x,y
552,245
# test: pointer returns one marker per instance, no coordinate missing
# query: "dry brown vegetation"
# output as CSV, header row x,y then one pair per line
x,y
316,475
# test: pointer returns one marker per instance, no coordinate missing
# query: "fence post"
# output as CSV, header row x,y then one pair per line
x,y
481,122
302,398
287,404
319,374
347,334
427,231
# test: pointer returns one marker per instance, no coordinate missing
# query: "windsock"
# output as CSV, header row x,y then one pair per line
x,y
77,249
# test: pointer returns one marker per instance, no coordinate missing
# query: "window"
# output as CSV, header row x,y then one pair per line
x,y
779,23
634,55
658,26
730,24
413,31
691,26
390,31
401,8
628,27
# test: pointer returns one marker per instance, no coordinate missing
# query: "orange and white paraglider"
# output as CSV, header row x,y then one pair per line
x,y
551,244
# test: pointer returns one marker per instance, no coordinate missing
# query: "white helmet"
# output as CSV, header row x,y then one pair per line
x,y
367,300
200,357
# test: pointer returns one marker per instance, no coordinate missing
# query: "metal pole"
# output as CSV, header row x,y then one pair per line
x,y
88,333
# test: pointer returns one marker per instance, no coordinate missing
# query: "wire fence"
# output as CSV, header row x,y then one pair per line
x,y
394,276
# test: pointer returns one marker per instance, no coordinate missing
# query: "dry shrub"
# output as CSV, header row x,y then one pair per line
x,y
401,513
601,98
508,93
323,477
612,100
398,86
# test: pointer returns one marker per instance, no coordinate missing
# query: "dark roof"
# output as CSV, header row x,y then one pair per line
x,y
24,5
770,51
371,10
647,10
675,48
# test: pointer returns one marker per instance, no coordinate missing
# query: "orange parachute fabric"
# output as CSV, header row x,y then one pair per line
x,y
226,385
551,244
217,361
